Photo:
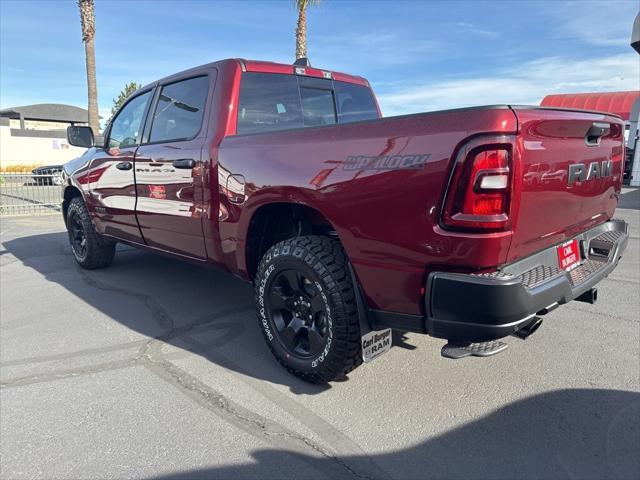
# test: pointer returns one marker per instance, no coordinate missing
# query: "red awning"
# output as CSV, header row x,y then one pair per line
x,y
619,103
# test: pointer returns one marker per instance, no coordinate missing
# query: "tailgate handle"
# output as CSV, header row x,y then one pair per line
x,y
595,133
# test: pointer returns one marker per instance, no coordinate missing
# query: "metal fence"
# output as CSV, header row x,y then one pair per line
x,y
28,194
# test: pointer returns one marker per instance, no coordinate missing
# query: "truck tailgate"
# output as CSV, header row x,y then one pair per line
x,y
554,199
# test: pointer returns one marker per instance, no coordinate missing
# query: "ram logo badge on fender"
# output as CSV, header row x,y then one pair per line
x,y
578,172
375,343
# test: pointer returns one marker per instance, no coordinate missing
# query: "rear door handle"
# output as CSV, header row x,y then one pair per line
x,y
124,166
184,163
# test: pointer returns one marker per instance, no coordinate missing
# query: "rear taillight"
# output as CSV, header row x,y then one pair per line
x,y
480,190
486,190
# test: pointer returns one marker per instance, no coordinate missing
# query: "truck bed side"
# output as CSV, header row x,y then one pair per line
x,y
360,176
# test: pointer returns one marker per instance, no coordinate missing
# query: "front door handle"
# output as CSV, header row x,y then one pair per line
x,y
124,166
184,163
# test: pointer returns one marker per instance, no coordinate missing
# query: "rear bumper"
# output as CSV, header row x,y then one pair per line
x,y
480,307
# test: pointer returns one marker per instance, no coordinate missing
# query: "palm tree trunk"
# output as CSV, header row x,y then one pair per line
x,y
301,32
88,24
92,89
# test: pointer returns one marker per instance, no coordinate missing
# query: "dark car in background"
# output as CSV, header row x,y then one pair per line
x,y
47,175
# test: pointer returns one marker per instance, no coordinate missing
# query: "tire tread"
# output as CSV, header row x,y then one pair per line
x,y
100,252
326,257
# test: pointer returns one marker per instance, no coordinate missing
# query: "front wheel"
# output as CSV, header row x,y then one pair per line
x,y
89,249
307,308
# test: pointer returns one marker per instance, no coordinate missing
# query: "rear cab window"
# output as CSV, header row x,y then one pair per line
x,y
318,102
268,102
275,101
355,102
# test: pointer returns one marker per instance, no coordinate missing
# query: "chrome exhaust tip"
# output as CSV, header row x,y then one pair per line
x,y
529,328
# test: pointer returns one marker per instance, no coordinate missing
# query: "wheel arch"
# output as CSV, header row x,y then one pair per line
x,y
70,192
273,222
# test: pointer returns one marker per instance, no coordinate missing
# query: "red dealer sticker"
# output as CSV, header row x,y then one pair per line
x,y
157,191
569,255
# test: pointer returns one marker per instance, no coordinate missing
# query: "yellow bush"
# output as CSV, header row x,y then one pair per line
x,y
19,168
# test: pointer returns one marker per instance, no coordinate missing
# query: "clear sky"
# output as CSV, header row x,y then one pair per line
x,y
418,55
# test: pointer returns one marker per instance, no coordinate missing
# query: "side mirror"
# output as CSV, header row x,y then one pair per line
x,y
80,136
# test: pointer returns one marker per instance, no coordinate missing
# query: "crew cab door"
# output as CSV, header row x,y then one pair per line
x,y
111,176
169,168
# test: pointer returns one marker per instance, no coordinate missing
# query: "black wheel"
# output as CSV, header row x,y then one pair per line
x,y
307,308
89,249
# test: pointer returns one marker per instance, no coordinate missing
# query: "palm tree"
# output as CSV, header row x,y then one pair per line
x,y
301,27
88,21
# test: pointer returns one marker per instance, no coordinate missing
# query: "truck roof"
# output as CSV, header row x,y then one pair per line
x,y
270,67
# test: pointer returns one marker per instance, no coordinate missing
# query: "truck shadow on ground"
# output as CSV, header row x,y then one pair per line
x,y
190,306
581,433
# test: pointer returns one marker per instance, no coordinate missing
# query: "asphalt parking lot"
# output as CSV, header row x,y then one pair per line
x,y
154,368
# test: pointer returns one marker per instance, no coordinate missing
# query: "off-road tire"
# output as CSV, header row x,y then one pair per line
x,y
99,252
322,260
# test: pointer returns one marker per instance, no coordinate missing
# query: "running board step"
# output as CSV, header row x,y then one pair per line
x,y
457,350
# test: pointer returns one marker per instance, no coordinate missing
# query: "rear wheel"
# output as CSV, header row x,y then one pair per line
x,y
89,249
307,308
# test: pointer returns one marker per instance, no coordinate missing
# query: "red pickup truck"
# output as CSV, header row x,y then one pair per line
x,y
467,224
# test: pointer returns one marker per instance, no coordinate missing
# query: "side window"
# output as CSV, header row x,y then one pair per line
x,y
355,102
318,107
268,102
126,128
180,109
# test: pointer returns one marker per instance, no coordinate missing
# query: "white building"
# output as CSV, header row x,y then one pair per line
x,y
36,134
